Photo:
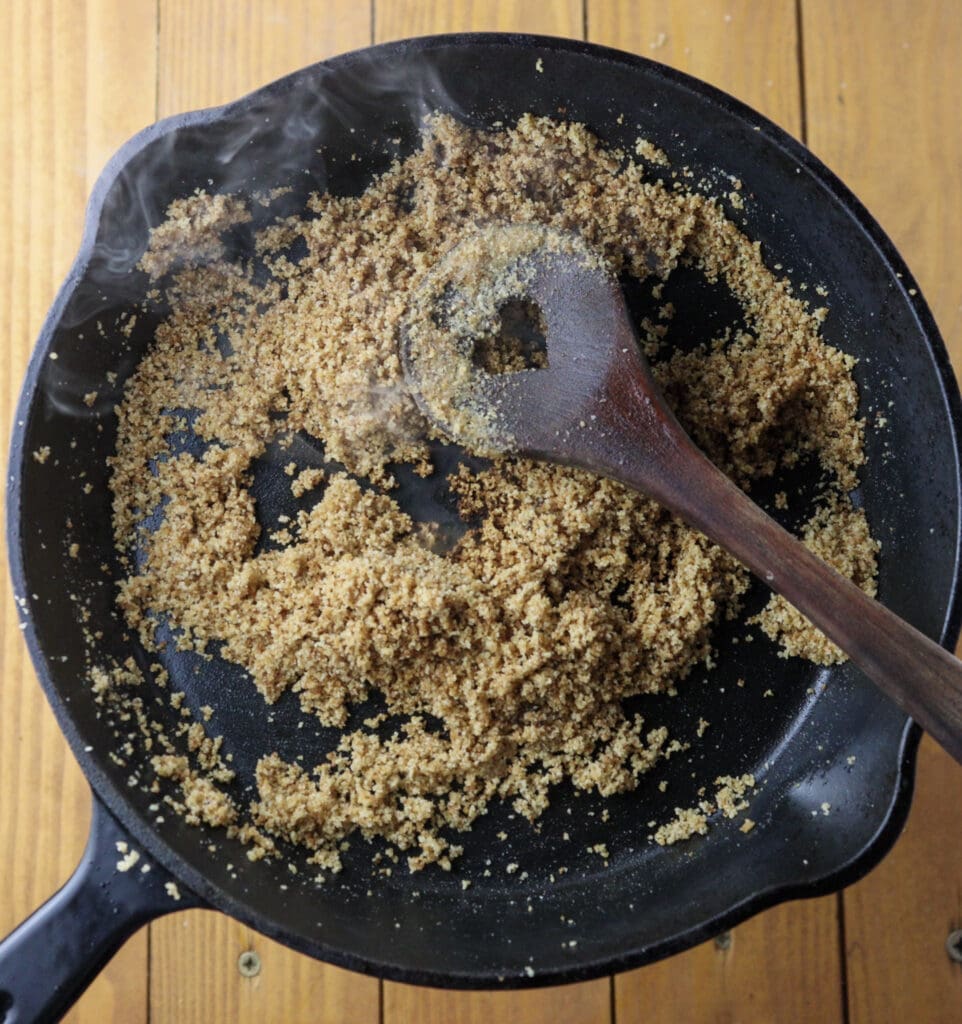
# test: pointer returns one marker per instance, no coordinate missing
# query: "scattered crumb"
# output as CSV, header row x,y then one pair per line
x,y
306,481
839,534
691,821
647,149
687,822
729,797
128,860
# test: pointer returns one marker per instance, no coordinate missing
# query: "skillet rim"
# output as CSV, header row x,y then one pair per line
x,y
113,796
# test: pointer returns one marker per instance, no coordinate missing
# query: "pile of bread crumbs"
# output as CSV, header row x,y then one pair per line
x,y
510,654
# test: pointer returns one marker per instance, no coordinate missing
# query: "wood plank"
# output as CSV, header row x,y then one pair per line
x,y
898,917
584,1003
729,43
882,94
398,19
195,977
882,98
212,51
781,967
766,972
60,108
588,1002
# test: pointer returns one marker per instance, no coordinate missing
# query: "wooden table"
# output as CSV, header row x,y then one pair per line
x,y
870,86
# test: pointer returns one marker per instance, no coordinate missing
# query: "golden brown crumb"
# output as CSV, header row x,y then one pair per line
x,y
838,533
691,821
729,795
192,231
568,595
687,822
306,481
129,859
647,149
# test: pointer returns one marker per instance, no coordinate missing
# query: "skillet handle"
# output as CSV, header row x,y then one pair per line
x,y
47,963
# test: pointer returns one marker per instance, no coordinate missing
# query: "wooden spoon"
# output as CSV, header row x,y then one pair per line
x,y
597,406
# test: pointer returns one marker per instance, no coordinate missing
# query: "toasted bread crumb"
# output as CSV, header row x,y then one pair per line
x,y
566,594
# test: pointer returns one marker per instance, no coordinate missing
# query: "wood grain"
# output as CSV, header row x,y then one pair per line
x,y
882,91
766,972
747,49
398,19
781,967
213,51
882,95
584,1003
61,115
195,977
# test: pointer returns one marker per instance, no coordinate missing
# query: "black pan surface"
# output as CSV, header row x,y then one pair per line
x,y
823,737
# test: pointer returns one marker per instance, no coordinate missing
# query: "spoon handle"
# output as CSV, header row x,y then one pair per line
x,y
921,677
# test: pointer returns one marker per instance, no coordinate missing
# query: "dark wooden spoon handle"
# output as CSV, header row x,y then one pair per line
x,y
921,677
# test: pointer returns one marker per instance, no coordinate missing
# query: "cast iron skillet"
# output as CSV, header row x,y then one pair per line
x,y
821,738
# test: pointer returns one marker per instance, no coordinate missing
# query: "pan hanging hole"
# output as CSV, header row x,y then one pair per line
x,y
953,946
520,342
6,1005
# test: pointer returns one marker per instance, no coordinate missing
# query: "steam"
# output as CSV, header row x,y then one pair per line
x,y
328,128
323,128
